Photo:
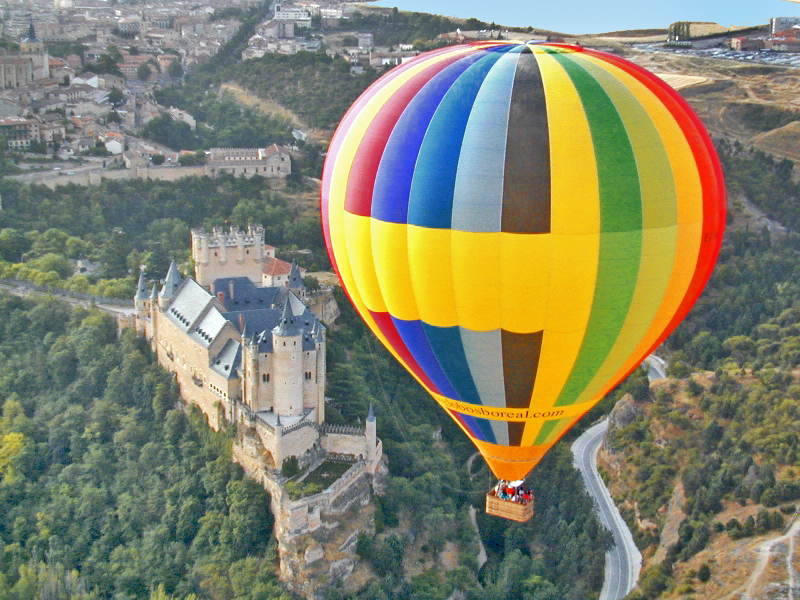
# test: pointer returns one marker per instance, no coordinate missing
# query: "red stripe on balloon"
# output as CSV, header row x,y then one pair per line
x,y
360,185
711,181
384,322
340,134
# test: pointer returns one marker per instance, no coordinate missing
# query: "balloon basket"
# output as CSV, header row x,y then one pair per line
x,y
508,509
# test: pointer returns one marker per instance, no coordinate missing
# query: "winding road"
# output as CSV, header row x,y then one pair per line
x,y
623,561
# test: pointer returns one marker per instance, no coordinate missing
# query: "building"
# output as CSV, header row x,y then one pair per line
x,y
287,12
249,355
778,24
19,132
366,41
273,161
15,71
278,272
784,41
747,43
31,47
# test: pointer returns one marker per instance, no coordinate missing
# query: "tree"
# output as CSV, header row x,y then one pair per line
x,y
143,72
174,69
115,97
158,159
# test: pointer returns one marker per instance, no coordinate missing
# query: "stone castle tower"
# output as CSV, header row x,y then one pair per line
x,y
229,254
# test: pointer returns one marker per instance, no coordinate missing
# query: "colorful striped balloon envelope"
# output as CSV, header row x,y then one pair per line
x,y
521,225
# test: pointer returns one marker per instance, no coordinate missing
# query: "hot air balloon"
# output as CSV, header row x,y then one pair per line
x,y
521,224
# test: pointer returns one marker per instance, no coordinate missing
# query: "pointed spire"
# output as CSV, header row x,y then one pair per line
x,y
141,288
154,292
287,326
295,278
31,32
172,281
278,422
371,414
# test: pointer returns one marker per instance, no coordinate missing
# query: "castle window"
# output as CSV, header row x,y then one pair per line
x,y
284,343
267,377
264,378
215,253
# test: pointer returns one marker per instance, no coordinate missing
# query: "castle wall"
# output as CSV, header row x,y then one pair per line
x,y
190,362
295,443
343,443
311,389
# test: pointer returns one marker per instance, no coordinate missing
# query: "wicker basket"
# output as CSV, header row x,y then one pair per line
x,y
507,509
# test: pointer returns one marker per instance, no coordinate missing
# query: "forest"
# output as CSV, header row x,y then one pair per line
x,y
109,486
120,225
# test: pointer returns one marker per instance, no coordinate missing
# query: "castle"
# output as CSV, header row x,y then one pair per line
x,y
254,355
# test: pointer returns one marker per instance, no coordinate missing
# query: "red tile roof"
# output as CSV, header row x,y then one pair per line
x,y
276,266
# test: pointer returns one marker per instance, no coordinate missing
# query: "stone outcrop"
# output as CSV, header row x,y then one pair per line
x,y
317,534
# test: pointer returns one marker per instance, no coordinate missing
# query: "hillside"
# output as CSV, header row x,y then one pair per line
x,y
752,104
705,483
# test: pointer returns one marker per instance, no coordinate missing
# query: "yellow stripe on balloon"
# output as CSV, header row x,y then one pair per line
x,y
575,238
659,215
570,293
575,205
341,173
476,263
390,253
358,233
430,265
524,281
499,280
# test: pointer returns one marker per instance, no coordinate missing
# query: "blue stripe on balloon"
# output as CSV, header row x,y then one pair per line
x,y
478,190
393,179
431,199
471,424
485,426
417,343
449,351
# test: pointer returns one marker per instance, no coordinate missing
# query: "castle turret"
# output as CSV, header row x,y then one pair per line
x,y
142,298
172,282
372,437
295,282
288,363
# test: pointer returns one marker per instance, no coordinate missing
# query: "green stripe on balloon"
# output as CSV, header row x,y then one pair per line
x,y
620,223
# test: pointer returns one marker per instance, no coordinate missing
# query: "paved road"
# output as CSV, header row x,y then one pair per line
x,y
623,561
656,367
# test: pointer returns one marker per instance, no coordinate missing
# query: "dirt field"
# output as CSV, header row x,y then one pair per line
x,y
268,107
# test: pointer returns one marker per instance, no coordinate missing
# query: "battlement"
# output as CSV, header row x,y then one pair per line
x,y
233,253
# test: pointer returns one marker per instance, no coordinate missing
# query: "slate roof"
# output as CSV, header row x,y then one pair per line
x,y
195,312
287,327
172,281
228,360
188,305
241,294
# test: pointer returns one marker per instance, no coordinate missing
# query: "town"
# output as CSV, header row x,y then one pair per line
x,y
78,79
